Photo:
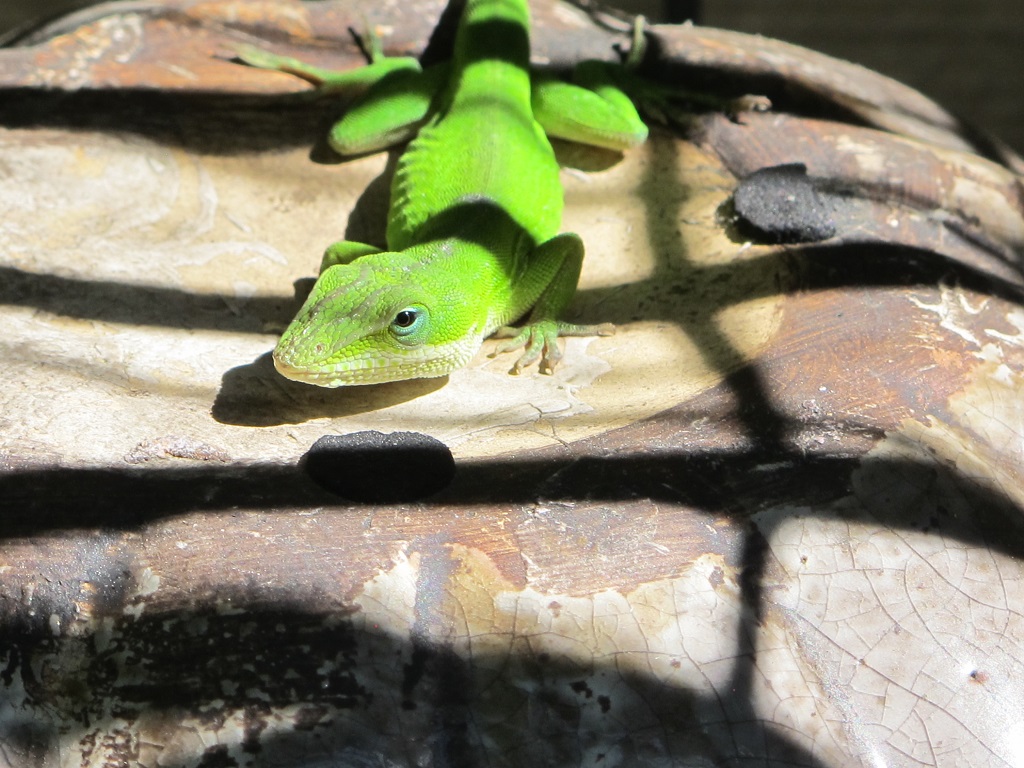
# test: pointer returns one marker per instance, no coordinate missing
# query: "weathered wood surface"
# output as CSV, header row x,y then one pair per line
x,y
775,520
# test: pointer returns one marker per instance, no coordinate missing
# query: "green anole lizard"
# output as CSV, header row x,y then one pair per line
x,y
476,208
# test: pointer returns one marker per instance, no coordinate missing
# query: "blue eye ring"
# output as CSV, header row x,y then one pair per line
x,y
409,321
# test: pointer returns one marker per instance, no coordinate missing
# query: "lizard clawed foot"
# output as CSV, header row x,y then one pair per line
x,y
539,340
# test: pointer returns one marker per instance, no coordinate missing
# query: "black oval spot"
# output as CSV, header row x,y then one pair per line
x,y
782,204
376,468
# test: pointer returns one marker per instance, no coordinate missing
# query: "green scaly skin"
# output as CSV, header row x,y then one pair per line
x,y
476,207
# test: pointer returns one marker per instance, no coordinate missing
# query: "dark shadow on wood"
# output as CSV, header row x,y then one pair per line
x,y
43,501
363,695
38,502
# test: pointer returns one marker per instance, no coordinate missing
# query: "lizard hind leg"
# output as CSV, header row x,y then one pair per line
x,y
392,95
598,114
597,107
345,81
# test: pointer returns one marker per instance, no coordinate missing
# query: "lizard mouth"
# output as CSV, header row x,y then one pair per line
x,y
290,371
336,376
380,369
321,377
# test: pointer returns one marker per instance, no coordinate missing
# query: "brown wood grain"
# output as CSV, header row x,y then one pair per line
x,y
799,475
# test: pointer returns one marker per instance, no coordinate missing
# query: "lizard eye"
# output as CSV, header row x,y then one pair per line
x,y
405,318
409,321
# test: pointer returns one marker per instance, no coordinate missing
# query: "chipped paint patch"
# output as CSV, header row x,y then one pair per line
x,y
1015,317
871,160
954,311
148,582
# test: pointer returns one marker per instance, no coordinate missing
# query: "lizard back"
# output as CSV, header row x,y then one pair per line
x,y
482,141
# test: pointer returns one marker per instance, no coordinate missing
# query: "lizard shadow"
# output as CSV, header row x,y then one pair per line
x,y
695,481
256,395
763,422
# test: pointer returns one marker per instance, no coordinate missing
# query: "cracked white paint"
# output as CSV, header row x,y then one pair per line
x,y
879,643
908,625
679,636
919,627
871,162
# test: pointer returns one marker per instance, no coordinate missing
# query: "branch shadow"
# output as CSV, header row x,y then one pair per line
x,y
436,683
363,692
245,124
362,696
40,502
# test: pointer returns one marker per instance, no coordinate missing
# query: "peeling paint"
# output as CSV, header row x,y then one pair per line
x,y
953,310
775,519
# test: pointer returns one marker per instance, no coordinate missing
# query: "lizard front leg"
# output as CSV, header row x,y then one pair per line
x,y
538,337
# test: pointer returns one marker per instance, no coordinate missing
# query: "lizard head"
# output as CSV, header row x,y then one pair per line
x,y
370,323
